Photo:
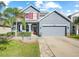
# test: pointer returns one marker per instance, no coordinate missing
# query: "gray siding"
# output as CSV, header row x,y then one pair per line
x,y
30,9
55,20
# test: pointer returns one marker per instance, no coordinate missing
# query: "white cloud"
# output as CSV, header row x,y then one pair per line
x,y
76,10
53,5
69,13
68,10
77,5
20,7
43,9
46,5
38,3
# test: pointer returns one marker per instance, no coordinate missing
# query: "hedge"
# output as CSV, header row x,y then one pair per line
x,y
24,33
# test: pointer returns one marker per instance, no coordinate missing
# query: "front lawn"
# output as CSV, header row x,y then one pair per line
x,y
18,48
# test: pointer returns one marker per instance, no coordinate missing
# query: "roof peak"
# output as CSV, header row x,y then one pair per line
x,y
29,7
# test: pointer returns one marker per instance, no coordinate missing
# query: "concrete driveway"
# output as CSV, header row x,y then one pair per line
x,y
59,47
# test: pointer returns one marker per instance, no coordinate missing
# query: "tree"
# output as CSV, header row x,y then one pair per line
x,y
76,22
11,15
8,14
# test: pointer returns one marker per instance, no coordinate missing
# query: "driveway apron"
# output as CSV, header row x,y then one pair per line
x,y
59,46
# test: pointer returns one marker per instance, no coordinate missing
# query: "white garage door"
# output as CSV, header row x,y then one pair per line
x,y
53,31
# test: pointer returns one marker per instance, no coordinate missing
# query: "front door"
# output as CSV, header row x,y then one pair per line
x,y
35,29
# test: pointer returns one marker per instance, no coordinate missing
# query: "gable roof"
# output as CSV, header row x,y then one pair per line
x,y
29,7
65,17
73,14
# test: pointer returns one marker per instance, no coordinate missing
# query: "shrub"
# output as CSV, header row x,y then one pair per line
x,y
3,43
10,34
74,36
2,34
24,33
4,40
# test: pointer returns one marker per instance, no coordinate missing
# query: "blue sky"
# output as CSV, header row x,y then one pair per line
x,y
66,7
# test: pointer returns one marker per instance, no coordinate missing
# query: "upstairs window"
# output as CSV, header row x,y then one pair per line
x,y
29,15
32,16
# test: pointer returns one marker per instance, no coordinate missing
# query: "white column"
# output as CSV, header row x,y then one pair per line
x,y
77,30
29,27
20,27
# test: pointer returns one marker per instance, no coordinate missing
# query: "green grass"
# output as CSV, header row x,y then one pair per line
x,y
19,49
74,36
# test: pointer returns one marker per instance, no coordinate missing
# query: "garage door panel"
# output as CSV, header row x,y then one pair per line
x,y
53,31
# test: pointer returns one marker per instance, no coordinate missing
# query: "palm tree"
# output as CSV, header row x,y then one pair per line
x,y
76,22
12,14
1,19
8,14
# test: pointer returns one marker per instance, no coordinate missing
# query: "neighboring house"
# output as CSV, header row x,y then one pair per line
x,y
3,29
73,17
45,24
2,5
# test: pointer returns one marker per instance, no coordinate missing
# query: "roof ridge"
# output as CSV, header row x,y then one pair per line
x,y
63,15
30,6
57,13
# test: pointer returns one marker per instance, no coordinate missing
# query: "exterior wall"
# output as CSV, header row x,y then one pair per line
x,y
43,14
54,20
75,15
4,30
30,9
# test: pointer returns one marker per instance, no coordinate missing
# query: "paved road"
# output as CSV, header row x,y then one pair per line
x,y
59,47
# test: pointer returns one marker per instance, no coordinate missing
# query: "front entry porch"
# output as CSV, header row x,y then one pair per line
x,y
30,27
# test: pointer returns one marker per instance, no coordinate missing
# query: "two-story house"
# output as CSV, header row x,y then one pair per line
x,y
44,23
